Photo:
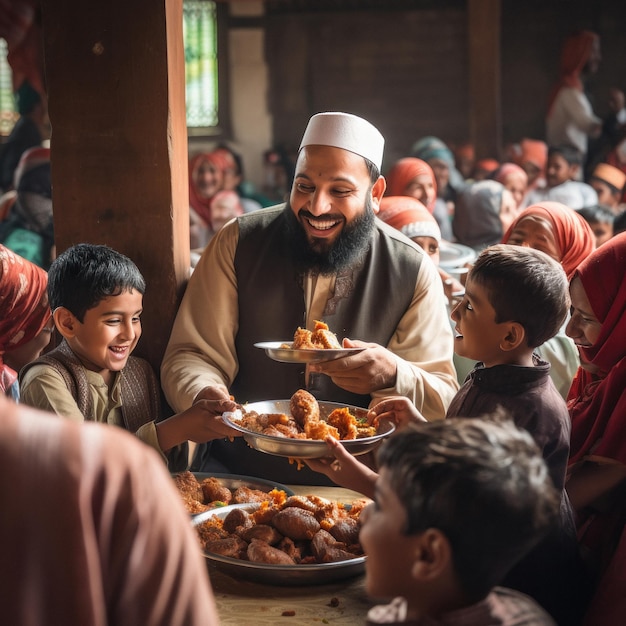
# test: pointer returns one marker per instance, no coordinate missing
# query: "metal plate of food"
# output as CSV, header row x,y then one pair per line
x,y
304,448
234,481
284,575
277,351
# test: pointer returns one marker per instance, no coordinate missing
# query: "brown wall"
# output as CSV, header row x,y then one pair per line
x,y
407,70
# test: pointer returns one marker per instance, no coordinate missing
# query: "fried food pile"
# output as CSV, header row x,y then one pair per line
x,y
209,493
320,338
300,530
305,421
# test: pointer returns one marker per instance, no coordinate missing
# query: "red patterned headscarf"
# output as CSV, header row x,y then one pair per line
x,y
24,308
573,235
597,403
403,172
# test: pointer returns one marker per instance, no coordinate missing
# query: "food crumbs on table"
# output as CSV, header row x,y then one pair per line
x,y
334,602
288,613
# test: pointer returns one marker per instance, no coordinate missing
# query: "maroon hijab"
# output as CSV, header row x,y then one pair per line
x,y
597,403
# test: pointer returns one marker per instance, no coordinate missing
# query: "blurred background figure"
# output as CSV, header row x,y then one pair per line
x,y
609,181
484,168
25,317
601,220
570,118
515,179
464,159
533,158
484,211
29,131
28,228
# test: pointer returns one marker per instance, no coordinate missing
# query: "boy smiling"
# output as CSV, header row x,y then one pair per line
x,y
96,295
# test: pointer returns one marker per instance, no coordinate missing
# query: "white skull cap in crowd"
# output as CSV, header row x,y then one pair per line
x,y
346,131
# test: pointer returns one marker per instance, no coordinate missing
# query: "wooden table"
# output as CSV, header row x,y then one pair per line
x,y
244,603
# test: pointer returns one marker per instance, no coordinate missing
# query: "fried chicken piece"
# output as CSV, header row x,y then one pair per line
x,y
261,552
301,502
323,338
237,518
344,422
188,485
320,430
214,491
263,532
288,546
296,523
192,505
327,550
302,340
345,530
228,546
245,494
304,407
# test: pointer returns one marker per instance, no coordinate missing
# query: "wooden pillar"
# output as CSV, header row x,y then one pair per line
x,y
116,88
485,82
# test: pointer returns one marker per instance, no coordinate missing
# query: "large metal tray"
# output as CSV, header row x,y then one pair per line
x,y
284,575
305,448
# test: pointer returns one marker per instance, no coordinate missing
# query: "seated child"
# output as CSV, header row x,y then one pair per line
x,y
96,296
457,503
564,163
515,299
601,220
608,181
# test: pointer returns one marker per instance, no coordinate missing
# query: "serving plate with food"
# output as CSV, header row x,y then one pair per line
x,y
308,346
296,428
298,540
203,492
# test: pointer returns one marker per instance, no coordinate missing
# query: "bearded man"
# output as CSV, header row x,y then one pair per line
x,y
323,255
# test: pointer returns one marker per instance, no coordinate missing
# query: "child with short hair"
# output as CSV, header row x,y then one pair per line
x,y
601,220
515,299
457,503
96,297
562,180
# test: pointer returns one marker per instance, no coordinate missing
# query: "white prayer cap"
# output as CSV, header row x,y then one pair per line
x,y
346,131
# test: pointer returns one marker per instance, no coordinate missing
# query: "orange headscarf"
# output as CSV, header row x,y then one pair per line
x,y
574,56
24,308
409,216
573,234
403,172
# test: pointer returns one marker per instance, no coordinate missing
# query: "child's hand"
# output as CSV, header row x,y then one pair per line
x,y
344,469
398,409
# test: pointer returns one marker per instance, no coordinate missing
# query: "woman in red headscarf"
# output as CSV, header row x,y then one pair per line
x,y
25,317
564,235
206,178
570,119
597,406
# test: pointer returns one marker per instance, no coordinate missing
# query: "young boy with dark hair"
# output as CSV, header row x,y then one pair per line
x,y
563,173
457,503
601,220
96,298
516,298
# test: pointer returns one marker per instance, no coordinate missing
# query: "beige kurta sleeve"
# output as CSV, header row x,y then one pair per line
x,y
423,347
201,348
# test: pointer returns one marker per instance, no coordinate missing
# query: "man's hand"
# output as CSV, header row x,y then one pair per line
x,y
363,373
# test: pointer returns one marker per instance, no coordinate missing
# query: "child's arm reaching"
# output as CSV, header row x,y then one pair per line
x,y
397,409
344,469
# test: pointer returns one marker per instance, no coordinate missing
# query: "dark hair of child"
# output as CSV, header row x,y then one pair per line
x,y
619,224
83,275
569,153
526,286
482,483
597,214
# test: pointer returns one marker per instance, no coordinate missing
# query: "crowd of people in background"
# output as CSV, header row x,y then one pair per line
x,y
562,198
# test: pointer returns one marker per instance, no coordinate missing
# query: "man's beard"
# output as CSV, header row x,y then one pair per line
x,y
351,244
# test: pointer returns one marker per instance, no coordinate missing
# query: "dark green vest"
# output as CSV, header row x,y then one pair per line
x,y
369,301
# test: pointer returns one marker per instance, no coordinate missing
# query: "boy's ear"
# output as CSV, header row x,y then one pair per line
x,y
65,321
432,556
515,335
